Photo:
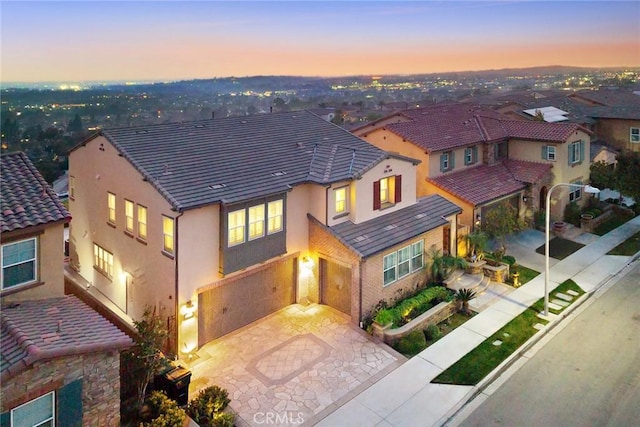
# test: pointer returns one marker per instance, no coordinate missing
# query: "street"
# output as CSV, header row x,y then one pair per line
x,y
587,375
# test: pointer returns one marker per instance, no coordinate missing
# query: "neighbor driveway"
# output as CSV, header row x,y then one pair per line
x,y
292,367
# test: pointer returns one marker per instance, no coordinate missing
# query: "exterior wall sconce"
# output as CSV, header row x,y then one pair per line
x,y
478,219
307,262
188,310
524,199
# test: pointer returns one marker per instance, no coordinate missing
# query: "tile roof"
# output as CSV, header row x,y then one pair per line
x,y
37,330
370,237
239,158
626,112
446,127
484,183
609,97
26,198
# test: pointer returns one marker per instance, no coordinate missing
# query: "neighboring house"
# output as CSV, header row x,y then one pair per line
x,y
59,359
477,157
619,126
218,223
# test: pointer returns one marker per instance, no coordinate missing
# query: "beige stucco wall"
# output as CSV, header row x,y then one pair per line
x,y
363,211
50,245
97,169
617,132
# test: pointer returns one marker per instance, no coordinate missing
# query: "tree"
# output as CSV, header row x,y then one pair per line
x,y
440,265
627,174
538,116
502,220
145,357
476,244
75,125
602,175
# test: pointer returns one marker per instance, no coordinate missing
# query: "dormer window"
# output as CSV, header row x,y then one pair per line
x,y
447,161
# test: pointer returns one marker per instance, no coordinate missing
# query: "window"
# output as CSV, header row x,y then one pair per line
x,y
470,155
387,192
142,222
274,212
575,192
576,152
256,222
236,227
111,201
19,263
447,161
128,214
342,205
417,255
37,412
501,150
389,268
103,260
549,152
634,135
405,261
167,233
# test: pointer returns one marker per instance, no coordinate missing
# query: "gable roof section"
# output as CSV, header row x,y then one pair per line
x,y
484,183
39,330
239,158
540,131
378,234
27,200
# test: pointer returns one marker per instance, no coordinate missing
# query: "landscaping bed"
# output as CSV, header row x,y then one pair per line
x,y
420,339
560,248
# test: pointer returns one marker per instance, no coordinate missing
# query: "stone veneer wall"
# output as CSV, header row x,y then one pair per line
x,y
100,386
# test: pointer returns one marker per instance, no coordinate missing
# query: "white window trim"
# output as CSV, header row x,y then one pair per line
x,y
240,226
345,201
35,263
396,265
129,220
445,161
52,398
575,152
278,217
107,269
142,225
252,222
166,235
551,152
111,209
421,255
634,137
575,193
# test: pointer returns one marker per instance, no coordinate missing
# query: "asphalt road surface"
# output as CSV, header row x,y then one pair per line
x,y
587,375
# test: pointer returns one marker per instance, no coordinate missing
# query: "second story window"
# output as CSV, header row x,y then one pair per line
x,y
111,203
549,152
342,205
236,227
634,135
576,152
447,162
167,233
103,260
387,192
470,155
256,222
19,263
501,150
128,214
274,212
142,222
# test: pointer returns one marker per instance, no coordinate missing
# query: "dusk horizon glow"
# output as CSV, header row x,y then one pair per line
x,y
168,41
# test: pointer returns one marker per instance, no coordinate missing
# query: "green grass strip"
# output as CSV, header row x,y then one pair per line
x,y
629,247
483,359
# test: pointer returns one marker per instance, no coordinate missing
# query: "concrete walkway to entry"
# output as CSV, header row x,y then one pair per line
x,y
292,367
406,397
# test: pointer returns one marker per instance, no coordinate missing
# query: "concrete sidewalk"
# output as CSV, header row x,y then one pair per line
x,y
406,396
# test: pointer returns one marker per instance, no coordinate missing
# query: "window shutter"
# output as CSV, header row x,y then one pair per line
x,y
442,162
69,405
452,161
545,152
376,195
475,154
581,151
398,189
5,419
570,155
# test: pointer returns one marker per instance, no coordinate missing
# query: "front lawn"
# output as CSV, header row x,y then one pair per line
x,y
629,247
560,248
525,274
483,359
612,223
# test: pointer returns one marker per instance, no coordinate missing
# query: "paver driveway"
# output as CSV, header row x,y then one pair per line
x,y
292,367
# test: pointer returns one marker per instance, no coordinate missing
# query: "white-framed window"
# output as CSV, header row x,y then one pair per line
x,y
470,155
274,216
417,255
256,222
385,190
576,152
445,162
128,214
37,412
389,268
634,135
235,227
142,222
342,202
549,152
103,260
404,262
575,191
167,234
19,263
111,203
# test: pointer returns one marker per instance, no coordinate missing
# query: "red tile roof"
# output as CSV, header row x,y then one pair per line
x,y
33,331
26,198
482,184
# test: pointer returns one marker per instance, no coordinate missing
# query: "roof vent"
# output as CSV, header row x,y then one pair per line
x,y
390,227
199,126
420,215
217,186
360,238
279,173
139,132
166,170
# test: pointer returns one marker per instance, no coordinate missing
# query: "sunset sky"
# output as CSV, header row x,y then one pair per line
x,y
165,40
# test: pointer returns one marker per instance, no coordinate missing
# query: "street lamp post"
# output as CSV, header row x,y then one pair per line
x,y
587,189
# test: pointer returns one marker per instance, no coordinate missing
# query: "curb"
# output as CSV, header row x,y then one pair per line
x,y
603,286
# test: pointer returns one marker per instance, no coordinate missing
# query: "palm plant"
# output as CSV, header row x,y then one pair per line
x,y
440,265
477,242
463,296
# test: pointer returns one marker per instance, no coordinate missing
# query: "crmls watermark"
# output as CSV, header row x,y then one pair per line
x,y
275,418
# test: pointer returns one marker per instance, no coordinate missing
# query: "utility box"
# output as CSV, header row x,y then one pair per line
x,y
175,383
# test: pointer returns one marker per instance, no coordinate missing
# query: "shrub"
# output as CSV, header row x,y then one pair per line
x,y
412,343
207,408
509,259
572,213
432,332
163,412
416,305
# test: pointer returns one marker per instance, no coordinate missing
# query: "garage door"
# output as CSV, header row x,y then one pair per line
x,y
335,285
237,303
